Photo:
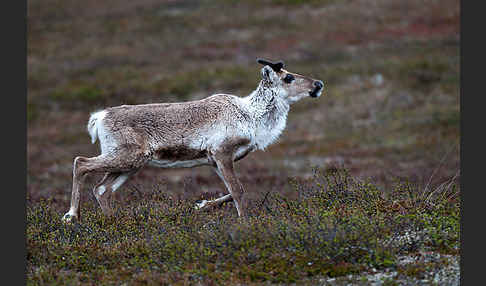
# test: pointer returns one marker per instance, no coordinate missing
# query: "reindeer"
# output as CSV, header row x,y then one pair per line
x,y
215,131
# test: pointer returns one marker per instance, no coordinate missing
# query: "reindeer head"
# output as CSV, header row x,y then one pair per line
x,y
289,86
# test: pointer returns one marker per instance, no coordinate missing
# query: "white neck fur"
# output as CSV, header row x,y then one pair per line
x,y
269,112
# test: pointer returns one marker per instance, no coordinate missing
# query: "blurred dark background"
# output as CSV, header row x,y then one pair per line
x,y
391,68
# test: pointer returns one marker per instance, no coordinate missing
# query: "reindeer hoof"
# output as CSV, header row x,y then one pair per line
x,y
68,218
200,204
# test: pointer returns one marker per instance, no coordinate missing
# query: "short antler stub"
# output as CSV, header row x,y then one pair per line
x,y
275,66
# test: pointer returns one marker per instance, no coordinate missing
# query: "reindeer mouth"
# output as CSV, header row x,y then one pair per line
x,y
316,92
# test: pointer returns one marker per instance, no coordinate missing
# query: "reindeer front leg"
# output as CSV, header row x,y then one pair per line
x,y
206,204
225,169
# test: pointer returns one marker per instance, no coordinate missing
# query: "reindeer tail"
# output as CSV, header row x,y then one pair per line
x,y
93,124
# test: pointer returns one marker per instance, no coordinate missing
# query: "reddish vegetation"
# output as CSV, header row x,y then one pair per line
x,y
421,28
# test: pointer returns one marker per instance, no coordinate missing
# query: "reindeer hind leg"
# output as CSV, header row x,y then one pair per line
x,y
78,178
122,161
104,189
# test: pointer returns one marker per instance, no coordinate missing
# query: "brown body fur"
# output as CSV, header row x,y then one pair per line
x,y
215,131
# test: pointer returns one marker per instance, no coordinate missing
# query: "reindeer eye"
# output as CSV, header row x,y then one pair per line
x,y
288,78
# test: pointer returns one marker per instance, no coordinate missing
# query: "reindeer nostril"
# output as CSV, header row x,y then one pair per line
x,y
318,84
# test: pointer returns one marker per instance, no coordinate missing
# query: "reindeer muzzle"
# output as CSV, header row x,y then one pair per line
x,y
318,86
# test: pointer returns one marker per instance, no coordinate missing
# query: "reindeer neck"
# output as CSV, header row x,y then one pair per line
x,y
264,101
269,113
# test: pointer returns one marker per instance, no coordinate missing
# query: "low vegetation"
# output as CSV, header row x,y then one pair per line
x,y
391,109
338,225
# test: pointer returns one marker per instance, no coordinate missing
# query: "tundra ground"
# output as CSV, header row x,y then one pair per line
x,y
389,115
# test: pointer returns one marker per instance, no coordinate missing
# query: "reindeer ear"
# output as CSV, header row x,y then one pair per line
x,y
269,75
266,71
